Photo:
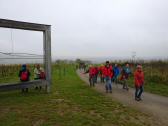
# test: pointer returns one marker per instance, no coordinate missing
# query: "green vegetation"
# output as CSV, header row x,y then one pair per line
x,y
71,103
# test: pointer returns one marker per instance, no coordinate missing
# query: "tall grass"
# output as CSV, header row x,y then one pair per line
x,y
156,72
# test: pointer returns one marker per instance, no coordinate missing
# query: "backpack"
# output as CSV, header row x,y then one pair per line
x,y
24,76
42,75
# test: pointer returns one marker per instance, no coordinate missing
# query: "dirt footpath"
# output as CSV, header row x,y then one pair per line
x,y
155,105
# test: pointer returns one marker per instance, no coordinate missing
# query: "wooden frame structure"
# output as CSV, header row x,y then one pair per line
x,y
46,29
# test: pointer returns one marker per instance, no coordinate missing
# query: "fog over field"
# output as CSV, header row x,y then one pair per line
x,y
89,29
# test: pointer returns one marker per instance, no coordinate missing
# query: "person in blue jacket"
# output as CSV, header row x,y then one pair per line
x,y
116,71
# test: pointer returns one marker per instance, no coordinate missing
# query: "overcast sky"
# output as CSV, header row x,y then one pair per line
x,y
90,28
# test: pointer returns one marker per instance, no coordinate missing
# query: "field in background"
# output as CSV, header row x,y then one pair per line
x,y
71,103
10,73
156,75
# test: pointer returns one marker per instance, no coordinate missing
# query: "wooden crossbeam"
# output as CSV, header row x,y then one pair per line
x,y
23,25
20,85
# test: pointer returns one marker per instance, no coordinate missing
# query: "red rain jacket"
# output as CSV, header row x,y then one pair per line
x,y
108,71
96,70
139,78
101,70
92,71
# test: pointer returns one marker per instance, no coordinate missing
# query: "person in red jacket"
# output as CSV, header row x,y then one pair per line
x,y
139,82
101,70
108,74
92,74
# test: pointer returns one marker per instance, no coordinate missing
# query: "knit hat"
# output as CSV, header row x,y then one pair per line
x,y
139,66
24,67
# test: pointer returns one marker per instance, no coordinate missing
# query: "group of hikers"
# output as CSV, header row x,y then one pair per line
x,y
24,75
109,74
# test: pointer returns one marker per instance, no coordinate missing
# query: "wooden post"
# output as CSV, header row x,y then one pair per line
x,y
47,55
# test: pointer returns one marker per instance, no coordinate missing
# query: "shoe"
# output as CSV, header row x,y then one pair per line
x,y
111,91
137,99
140,99
124,87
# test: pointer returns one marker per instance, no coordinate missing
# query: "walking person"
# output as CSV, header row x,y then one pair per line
x,y
108,73
101,72
116,71
92,73
126,71
139,82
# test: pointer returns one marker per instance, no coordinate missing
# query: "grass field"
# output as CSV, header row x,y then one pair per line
x,y
71,103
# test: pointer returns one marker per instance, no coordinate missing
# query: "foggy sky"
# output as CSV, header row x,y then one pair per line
x,y
90,28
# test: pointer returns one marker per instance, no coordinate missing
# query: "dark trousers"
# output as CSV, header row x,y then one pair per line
x,y
92,80
138,91
125,84
24,89
96,78
102,79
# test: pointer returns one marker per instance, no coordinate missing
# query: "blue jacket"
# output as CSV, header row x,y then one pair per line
x,y
116,71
